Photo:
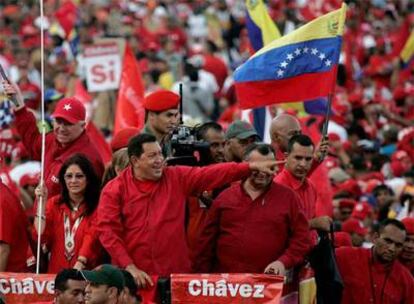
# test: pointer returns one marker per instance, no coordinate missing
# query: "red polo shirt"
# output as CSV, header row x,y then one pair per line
x,y
245,235
367,281
304,189
13,229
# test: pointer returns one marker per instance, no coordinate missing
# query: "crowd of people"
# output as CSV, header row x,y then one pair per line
x,y
107,227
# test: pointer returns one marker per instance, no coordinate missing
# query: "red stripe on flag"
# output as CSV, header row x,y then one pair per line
x,y
130,111
255,94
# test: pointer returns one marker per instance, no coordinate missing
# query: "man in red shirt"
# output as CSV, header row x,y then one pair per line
x,y
14,241
68,136
407,255
299,160
256,226
141,212
375,275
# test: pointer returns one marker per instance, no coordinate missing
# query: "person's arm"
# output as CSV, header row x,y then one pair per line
x,y
4,255
299,242
205,250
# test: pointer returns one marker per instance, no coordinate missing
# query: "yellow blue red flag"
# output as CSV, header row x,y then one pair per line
x,y
407,53
299,66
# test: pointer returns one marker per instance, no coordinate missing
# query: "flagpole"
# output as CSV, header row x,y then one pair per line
x,y
328,110
42,182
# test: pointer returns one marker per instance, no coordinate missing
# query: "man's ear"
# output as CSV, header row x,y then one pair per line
x,y
113,292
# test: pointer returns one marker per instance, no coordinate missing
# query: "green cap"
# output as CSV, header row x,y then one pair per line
x,y
241,130
105,275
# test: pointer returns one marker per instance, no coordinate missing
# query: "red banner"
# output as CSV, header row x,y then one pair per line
x,y
22,288
226,288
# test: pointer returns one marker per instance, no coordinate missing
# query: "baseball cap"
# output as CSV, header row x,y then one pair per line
x,y
161,100
361,211
241,130
121,139
105,275
354,226
70,109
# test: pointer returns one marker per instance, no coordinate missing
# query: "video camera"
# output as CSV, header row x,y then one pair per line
x,y
184,146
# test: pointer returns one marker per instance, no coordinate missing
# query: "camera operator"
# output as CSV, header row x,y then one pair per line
x,y
161,113
212,133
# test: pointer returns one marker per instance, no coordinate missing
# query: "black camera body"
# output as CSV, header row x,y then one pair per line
x,y
186,149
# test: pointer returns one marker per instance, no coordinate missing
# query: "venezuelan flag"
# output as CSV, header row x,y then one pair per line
x,y
298,66
407,53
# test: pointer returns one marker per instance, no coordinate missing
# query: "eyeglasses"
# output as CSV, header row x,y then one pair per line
x,y
77,176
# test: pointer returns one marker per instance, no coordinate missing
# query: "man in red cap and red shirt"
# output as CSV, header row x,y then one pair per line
x,y
141,212
407,255
375,275
14,241
68,136
356,230
161,113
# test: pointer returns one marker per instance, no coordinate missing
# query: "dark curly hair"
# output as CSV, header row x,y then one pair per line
x,y
92,190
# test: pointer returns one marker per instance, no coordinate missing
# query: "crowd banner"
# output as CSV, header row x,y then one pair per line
x,y
22,288
102,64
226,288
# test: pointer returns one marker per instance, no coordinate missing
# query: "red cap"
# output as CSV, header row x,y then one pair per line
x,y
361,211
121,139
350,186
342,239
354,226
409,224
161,100
347,203
70,109
29,180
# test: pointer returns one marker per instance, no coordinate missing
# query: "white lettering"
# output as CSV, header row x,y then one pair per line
x,y
233,289
40,286
4,289
221,288
28,286
191,289
208,288
16,287
245,290
258,291
50,287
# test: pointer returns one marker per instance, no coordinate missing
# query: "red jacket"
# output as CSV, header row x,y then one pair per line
x,y
245,235
55,154
367,281
142,222
86,239
13,229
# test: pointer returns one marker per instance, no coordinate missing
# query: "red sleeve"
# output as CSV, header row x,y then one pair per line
x,y
198,179
6,218
299,241
90,246
27,128
205,249
109,224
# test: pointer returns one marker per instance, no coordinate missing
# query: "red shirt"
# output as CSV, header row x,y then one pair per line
x,y
305,190
86,239
13,229
142,222
245,235
55,154
409,266
366,281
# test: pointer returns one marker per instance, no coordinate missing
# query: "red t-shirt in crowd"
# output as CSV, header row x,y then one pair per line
x,y
245,235
13,229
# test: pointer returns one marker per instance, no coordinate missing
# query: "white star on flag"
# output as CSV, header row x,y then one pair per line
x,y
289,56
67,107
280,73
314,51
322,56
305,50
297,52
328,62
284,64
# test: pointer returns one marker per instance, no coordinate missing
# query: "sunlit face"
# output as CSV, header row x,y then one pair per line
x,y
299,160
150,164
66,132
73,294
257,179
408,249
97,294
389,243
164,122
280,137
75,180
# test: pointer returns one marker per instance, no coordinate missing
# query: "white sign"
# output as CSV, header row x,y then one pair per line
x,y
103,66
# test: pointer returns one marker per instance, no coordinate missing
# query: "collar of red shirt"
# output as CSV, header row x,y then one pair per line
x,y
294,183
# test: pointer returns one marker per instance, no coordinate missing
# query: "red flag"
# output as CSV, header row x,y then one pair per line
x,y
129,109
98,139
81,93
67,15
